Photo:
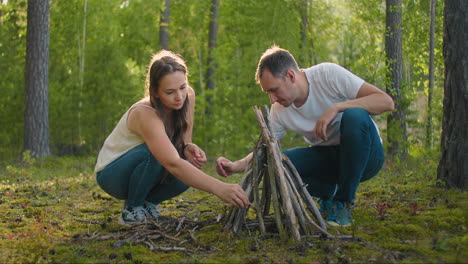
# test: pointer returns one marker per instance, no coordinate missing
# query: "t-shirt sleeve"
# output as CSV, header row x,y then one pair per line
x,y
277,128
346,84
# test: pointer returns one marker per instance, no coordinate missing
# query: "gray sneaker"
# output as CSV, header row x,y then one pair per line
x,y
151,211
131,216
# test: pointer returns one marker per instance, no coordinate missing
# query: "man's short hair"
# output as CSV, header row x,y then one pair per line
x,y
277,60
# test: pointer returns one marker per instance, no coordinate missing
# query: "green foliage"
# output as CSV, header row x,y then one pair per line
x,y
416,20
241,42
110,77
51,208
85,103
12,82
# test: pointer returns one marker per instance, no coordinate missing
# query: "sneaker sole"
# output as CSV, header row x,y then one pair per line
x,y
124,223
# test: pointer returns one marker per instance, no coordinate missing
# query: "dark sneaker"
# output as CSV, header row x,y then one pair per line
x,y
340,215
151,210
131,216
325,207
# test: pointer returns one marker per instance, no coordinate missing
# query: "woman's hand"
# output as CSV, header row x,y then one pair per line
x,y
232,194
195,155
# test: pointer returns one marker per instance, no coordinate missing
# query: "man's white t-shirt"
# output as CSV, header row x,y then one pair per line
x,y
329,83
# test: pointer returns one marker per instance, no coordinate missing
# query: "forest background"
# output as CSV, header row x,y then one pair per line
x,y
51,209
99,51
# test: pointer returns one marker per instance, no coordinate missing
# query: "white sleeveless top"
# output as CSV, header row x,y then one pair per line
x,y
118,142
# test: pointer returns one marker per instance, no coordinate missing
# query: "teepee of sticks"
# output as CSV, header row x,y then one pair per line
x,y
276,192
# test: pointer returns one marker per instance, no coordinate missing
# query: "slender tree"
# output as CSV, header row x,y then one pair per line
x,y
453,165
82,55
36,115
164,26
429,137
212,39
396,121
303,6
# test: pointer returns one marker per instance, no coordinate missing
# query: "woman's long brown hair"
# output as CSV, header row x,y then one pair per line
x,y
162,63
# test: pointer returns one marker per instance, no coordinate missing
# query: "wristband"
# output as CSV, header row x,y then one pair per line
x,y
184,147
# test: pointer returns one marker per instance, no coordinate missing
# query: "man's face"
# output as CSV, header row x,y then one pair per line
x,y
280,90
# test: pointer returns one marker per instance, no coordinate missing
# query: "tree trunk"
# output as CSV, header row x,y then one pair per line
x,y
36,115
453,165
164,26
82,55
429,141
213,35
304,10
396,121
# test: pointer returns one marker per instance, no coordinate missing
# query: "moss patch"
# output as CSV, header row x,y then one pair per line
x,y
50,208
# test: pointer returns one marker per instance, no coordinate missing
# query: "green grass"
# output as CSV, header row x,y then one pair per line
x,y
50,210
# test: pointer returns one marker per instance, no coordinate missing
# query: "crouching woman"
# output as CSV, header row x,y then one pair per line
x,y
149,157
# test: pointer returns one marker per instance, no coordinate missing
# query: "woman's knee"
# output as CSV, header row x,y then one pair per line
x,y
110,186
179,187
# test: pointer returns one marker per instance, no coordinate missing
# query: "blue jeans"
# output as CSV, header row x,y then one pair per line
x,y
136,177
334,172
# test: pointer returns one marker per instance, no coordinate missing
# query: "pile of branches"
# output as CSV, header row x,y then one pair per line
x,y
276,192
163,234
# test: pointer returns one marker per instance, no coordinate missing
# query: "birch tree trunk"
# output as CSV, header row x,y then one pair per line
x,y
429,137
304,11
212,39
164,26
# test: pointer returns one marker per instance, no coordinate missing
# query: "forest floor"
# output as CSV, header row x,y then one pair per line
x,y
53,211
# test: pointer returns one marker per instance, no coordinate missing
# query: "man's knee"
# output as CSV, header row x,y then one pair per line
x,y
355,114
354,122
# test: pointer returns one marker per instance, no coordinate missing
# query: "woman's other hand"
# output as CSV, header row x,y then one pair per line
x,y
195,155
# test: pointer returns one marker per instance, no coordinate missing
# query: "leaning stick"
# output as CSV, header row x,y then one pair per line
x,y
279,175
309,219
306,195
282,190
286,199
275,198
258,208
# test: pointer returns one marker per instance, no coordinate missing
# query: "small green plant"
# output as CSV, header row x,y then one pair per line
x,y
27,159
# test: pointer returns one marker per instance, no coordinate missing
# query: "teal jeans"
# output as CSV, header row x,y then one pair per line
x,y
136,178
335,172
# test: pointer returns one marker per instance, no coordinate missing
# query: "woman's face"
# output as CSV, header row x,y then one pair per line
x,y
172,90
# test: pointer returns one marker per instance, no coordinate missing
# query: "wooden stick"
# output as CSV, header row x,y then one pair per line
x,y
266,193
282,189
279,175
275,199
285,198
309,219
297,208
259,212
305,193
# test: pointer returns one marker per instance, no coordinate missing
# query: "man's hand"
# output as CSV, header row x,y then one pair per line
x,y
195,155
224,167
320,129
